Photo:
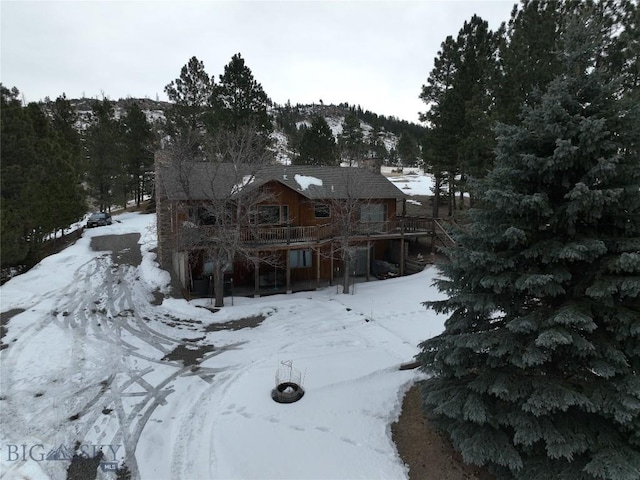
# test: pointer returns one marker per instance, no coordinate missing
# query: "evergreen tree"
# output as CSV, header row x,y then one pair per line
x,y
17,155
475,81
432,165
105,151
408,150
460,96
446,119
239,100
317,147
536,373
351,140
41,189
190,111
528,58
288,118
628,44
64,118
620,57
67,165
139,146
393,156
375,144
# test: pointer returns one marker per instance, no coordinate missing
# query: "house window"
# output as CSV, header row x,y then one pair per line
x,y
273,214
300,258
373,212
209,216
321,210
206,216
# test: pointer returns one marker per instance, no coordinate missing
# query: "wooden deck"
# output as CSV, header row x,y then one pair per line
x,y
296,235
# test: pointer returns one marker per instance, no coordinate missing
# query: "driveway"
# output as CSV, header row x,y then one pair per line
x,y
105,366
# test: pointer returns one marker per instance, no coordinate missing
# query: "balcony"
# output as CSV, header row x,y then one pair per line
x,y
397,226
290,234
285,235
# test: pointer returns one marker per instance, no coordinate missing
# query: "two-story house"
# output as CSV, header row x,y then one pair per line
x,y
287,227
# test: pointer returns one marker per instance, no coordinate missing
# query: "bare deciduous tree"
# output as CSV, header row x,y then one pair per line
x,y
222,221
346,211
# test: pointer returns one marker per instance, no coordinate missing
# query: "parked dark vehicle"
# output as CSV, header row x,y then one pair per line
x,y
99,219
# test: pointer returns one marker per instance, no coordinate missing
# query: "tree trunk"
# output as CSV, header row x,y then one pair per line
x,y
452,196
218,284
346,264
436,196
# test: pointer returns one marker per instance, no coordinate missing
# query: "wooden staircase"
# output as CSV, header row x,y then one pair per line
x,y
440,233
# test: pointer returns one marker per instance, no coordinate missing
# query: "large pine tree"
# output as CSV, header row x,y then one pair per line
x,y
460,95
536,373
190,94
105,148
527,57
317,146
139,143
238,100
408,150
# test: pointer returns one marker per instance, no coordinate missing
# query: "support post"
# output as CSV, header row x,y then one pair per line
x,y
402,257
318,267
288,262
256,280
331,266
368,261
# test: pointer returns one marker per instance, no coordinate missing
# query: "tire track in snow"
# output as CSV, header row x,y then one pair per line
x,y
104,315
192,426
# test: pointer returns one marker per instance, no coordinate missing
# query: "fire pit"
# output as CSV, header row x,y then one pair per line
x,y
288,384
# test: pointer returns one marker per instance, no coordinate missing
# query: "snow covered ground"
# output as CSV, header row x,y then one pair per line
x,y
412,181
85,363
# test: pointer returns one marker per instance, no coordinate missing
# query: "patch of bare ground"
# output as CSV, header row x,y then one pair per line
x,y
4,319
427,453
189,354
248,322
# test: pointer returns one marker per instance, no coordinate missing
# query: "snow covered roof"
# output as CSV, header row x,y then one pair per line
x,y
305,181
206,180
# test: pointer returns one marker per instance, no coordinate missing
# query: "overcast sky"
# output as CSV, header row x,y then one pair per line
x,y
370,53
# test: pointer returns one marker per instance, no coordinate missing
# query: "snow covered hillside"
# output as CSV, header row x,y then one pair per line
x,y
334,116
96,354
155,113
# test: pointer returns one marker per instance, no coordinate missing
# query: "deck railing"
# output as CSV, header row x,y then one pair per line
x,y
316,233
285,235
415,224
441,233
